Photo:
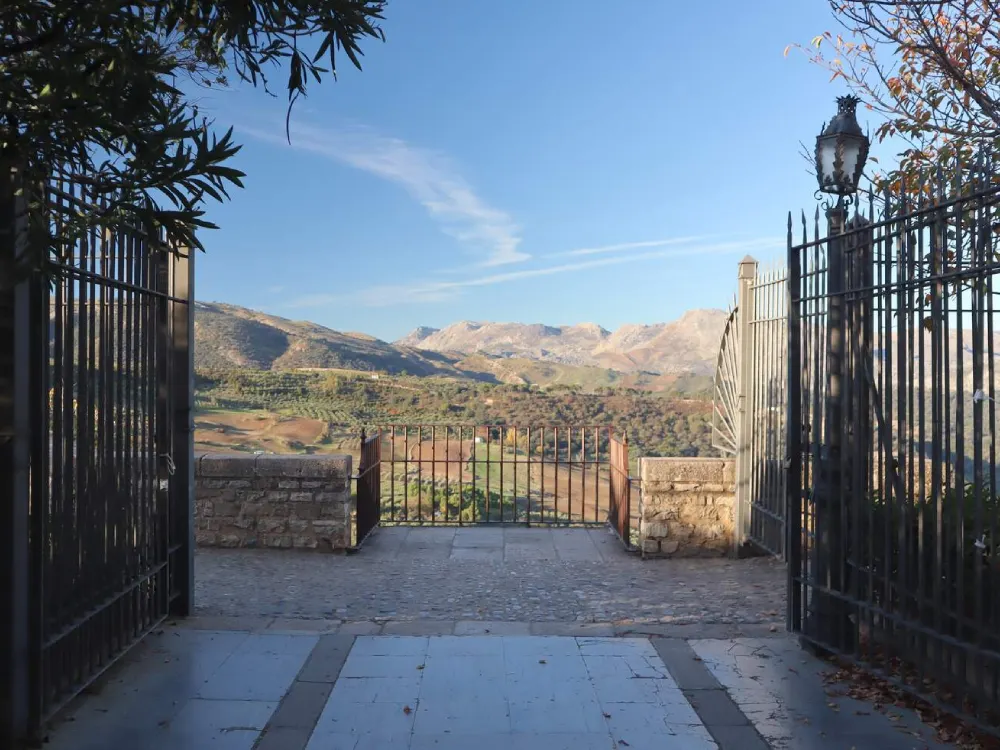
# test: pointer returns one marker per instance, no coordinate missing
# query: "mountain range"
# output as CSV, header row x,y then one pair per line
x,y
228,336
687,345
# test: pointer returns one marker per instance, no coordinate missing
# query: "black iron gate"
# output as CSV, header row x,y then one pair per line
x,y
96,482
494,474
893,496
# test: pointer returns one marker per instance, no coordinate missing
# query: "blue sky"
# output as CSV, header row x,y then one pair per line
x,y
554,161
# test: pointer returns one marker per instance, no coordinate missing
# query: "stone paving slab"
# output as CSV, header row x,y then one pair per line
x,y
199,688
490,574
185,688
506,691
780,689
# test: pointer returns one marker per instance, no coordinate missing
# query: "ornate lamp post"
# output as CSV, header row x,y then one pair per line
x,y
841,153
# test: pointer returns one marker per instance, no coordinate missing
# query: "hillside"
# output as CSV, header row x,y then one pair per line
x,y
687,345
647,357
227,336
520,371
321,412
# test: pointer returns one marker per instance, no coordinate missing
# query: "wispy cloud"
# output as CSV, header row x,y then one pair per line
x,y
275,289
625,246
441,291
430,177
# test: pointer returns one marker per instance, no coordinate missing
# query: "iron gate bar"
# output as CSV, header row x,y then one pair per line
x,y
555,479
542,446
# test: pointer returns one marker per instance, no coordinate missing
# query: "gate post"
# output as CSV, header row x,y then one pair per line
x,y
793,436
182,500
746,307
858,440
826,612
18,309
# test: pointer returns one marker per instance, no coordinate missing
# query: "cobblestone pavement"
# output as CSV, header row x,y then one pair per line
x,y
495,574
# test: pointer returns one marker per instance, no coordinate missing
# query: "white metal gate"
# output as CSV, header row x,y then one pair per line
x,y
750,404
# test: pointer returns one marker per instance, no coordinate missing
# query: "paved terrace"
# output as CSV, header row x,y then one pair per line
x,y
477,639
497,573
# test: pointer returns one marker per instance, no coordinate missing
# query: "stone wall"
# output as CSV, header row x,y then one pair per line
x,y
288,502
686,507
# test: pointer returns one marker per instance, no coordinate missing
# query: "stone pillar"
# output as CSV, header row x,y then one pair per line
x,y
687,507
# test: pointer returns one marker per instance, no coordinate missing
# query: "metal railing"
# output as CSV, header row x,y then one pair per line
x,y
893,502
459,474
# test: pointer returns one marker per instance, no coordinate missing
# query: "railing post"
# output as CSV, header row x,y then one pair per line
x,y
745,305
625,527
182,500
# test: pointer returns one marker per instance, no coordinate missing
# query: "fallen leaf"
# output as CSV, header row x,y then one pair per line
x,y
420,666
542,661
607,715
623,743
407,710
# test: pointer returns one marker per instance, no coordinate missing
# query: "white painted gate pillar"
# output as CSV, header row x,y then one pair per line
x,y
745,303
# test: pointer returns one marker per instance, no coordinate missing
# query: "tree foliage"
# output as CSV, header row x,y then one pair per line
x,y
931,69
100,90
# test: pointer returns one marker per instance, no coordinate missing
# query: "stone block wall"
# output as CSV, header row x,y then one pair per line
x,y
285,502
686,507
